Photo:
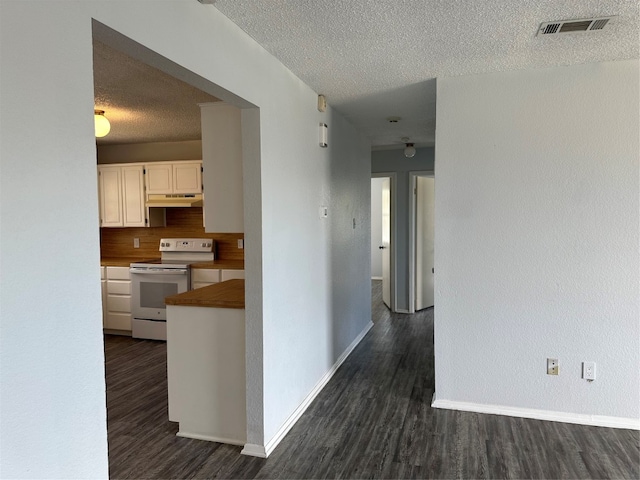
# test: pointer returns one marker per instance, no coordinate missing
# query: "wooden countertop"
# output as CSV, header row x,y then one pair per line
x,y
229,294
221,264
215,264
123,261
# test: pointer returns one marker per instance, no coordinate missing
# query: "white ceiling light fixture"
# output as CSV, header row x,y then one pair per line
x,y
409,149
102,125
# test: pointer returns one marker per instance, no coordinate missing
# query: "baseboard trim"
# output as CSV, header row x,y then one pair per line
x,y
209,438
402,310
253,450
552,416
376,278
264,452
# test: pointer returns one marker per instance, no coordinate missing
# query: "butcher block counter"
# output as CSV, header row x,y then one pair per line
x,y
123,261
220,264
229,294
206,362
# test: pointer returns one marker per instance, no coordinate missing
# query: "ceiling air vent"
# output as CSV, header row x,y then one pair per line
x,y
572,26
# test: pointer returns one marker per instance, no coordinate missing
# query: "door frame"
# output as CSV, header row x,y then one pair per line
x,y
412,233
392,239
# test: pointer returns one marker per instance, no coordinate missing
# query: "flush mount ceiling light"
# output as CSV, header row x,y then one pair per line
x,y
409,150
102,125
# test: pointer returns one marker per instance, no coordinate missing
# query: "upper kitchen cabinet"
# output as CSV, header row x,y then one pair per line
x,y
122,196
222,161
174,177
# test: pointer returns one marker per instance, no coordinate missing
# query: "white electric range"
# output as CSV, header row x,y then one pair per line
x,y
152,281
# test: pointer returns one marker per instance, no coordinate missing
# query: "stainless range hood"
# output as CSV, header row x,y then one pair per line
x,y
194,200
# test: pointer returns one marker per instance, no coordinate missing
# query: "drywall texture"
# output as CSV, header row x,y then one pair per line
x,y
385,161
537,239
376,227
300,320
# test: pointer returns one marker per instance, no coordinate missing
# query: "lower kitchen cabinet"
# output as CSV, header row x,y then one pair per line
x,y
117,316
103,284
203,277
231,274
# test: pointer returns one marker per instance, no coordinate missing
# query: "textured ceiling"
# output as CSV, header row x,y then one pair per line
x,y
142,103
379,58
371,58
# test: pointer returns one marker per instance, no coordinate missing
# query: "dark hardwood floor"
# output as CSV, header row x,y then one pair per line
x,y
373,420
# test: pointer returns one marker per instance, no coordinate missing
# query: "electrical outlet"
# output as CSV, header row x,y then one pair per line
x,y
552,366
589,371
136,243
240,243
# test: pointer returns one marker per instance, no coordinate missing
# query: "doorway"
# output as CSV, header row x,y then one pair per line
x,y
422,240
383,235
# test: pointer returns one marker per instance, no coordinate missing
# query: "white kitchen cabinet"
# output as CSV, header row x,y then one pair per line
x,y
103,284
122,196
231,274
187,177
174,177
109,186
159,178
202,277
118,302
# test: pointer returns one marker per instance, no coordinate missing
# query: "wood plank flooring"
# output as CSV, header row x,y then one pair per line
x,y
373,420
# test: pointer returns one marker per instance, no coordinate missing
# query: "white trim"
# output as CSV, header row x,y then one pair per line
x,y
209,438
413,184
264,452
402,310
376,278
578,418
393,180
253,450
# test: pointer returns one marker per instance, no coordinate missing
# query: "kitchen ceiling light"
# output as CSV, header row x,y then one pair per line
x,y
102,125
409,150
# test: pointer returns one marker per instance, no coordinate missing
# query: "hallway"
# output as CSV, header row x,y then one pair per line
x,y
373,420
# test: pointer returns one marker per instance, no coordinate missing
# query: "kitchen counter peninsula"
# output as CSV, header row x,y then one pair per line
x,y
206,362
229,294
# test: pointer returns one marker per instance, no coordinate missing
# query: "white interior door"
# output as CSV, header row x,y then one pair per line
x,y
425,213
386,242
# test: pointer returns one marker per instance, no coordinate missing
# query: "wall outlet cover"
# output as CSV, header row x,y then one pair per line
x,y
552,366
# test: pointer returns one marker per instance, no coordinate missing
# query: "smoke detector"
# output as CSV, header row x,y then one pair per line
x,y
573,26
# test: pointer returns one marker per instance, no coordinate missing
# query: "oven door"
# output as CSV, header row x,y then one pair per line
x,y
150,286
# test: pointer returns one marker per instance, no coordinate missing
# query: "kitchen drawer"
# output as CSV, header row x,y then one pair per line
x,y
118,273
117,303
118,321
206,275
118,287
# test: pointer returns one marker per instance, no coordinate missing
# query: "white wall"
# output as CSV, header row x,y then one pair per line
x,y
300,319
376,227
395,161
537,239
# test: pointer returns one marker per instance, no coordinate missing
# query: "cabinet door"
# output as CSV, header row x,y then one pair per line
x,y
231,274
203,277
159,178
187,177
133,205
110,197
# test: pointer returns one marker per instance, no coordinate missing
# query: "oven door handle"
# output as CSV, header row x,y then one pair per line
x,y
145,271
